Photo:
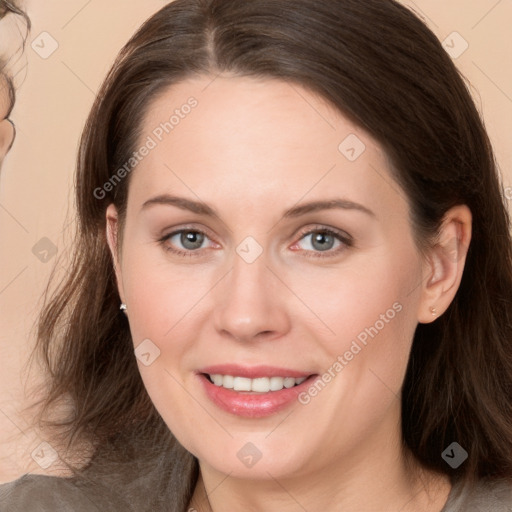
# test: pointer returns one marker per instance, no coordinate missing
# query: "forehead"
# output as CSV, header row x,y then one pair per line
x,y
248,138
247,109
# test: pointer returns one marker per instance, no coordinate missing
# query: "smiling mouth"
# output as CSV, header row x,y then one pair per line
x,y
253,392
258,385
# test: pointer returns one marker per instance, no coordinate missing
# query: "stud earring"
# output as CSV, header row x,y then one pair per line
x,y
433,311
122,307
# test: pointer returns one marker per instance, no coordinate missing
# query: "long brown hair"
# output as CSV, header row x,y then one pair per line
x,y
380,66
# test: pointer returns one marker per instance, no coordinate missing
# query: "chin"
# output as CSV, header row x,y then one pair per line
x,y
247,458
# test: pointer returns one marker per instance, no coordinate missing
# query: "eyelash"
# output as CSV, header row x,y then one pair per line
x,y
346,241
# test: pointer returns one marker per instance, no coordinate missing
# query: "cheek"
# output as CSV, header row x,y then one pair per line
x,y
369,298
369,311
164,303
159,295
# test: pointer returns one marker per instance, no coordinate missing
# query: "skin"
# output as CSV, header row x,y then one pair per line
x,y
6,127
252,149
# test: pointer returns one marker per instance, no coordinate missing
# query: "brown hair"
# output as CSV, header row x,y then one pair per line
x,y
380,66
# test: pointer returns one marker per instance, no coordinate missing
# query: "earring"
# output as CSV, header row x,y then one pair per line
x,y
433,311
122,307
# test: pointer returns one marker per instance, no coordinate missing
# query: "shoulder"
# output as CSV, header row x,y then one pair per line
x,y
40,493
487,496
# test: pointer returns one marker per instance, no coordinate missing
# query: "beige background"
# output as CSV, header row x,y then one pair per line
x,y
54,97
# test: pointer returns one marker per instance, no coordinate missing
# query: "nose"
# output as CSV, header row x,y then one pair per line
x,y
251,303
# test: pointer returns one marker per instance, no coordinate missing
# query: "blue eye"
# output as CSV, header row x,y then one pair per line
x,y
324,240
190,239
321,241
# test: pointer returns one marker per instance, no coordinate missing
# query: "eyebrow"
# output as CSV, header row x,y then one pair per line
x,y
202,208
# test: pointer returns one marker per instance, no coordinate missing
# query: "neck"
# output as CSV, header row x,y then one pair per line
x,y
375,475
385,490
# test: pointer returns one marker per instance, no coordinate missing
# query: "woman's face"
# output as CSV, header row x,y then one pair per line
x,y
227,268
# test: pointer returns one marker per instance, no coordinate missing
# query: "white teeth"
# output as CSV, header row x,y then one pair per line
x,y
227,381
276,383
289,382
217,379
260,385
241,384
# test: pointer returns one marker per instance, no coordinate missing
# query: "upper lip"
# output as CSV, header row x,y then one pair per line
x,y
253,372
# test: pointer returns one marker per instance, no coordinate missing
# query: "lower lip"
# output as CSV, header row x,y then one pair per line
x,y
251,404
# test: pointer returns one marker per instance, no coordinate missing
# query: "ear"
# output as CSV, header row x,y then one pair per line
x,y
444,264
112,232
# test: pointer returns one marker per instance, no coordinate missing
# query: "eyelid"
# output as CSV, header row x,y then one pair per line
x,y
323,228
186,227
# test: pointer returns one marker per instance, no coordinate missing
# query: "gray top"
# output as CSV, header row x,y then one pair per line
x,y
39,493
